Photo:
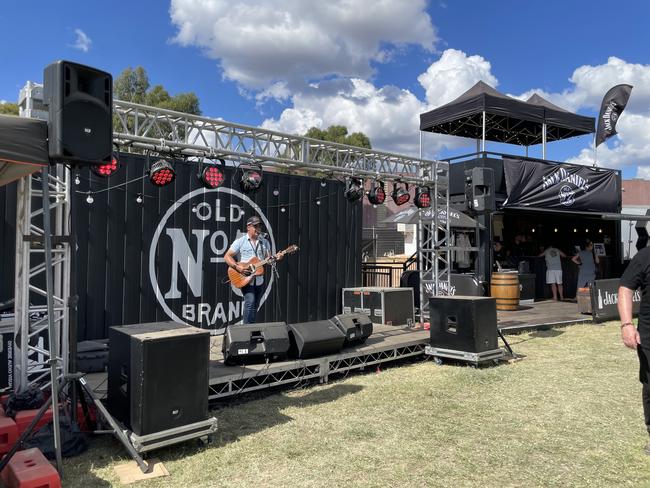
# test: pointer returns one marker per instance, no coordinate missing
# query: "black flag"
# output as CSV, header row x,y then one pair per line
x,y
613,104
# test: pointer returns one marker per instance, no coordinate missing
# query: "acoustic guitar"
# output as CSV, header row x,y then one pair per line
x,y
255,267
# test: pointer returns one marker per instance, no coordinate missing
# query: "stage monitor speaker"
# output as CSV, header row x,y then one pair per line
x,y
158,375
314,339
480,189
357,327
463,323
255,342
80,100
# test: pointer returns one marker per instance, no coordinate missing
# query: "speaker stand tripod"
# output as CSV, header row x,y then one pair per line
x,y
77,381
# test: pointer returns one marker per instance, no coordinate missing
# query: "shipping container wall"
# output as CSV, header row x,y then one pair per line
x,y
162,258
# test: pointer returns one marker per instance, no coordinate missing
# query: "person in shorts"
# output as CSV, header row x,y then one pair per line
x,y
553,256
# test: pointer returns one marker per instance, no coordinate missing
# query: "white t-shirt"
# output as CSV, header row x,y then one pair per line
x,y
553,262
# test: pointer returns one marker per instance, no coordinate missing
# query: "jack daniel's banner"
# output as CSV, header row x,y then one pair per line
x,y
568,187
604,300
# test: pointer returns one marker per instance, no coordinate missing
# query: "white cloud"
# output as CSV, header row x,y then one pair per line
x,y
453,74
631,148
261,42
388,115
83,42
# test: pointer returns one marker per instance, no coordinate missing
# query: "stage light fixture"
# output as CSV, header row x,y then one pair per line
x,y
211,176
422,197
251,179
106,170
400,193
353,189
161,173
377,194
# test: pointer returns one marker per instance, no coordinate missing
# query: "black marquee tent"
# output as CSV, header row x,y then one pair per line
x,y
487,114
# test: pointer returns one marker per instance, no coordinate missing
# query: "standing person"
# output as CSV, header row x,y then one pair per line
x,y
587,261
247,246
637,275
554,270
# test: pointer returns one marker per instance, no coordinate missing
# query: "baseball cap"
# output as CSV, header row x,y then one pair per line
x,y
254,220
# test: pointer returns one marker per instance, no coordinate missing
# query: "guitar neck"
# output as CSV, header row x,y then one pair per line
x,y
263,262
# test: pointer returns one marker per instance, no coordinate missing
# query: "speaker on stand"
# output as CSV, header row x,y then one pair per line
x,y
80,101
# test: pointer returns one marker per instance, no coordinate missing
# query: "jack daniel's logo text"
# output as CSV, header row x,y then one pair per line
x,y
563,176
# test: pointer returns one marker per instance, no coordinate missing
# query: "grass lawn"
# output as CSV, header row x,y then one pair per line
x,y
569,414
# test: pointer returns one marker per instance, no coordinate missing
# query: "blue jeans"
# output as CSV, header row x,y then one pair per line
x,y
252,295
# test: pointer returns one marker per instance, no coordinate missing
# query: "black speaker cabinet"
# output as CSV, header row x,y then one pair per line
x,y
390,306
463,323
255,342
480,191
158,375
357,327
80,100
314,339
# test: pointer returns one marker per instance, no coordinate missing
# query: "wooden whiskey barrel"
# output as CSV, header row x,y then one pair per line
x,y
505,288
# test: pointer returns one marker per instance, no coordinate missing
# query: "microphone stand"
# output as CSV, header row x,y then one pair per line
x,y
278,306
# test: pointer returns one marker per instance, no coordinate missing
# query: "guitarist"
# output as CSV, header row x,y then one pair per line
x,y
242,250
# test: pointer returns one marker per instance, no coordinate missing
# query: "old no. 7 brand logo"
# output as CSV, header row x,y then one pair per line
x,y
186,257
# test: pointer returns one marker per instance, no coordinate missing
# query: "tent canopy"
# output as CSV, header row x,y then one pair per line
x,y
23,147
507,119
410,216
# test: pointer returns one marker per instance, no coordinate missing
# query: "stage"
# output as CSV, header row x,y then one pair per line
x,y
386,344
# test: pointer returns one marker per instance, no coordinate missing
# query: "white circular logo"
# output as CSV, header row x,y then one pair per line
x,y
566,195
187,269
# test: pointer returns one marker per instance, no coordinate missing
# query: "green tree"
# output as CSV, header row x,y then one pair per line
x,y
132,85
339,134
8,108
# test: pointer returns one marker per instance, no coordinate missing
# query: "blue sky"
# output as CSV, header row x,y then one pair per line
x,y
370,65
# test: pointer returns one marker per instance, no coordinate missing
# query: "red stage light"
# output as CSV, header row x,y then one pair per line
x,y
161,173
106,170
211,177
377,194
422,197
400,194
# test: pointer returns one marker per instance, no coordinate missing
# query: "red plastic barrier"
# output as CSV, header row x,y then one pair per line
x,y
30,469
8,434
25,417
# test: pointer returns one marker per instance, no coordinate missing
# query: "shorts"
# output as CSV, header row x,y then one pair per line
x,y
553,276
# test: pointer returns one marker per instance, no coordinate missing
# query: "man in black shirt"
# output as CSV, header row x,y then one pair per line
x,y
637,275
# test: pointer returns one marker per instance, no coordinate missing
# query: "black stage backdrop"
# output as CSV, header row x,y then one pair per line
x,y
162,259
537,184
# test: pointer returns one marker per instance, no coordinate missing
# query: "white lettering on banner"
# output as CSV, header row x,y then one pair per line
x,y
219,213
444,289
183,257
606,298
570,184
610,116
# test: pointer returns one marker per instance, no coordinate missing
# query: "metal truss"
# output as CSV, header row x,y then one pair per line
x,y
343,365
164,130
261,377
33,346
434,258
257,379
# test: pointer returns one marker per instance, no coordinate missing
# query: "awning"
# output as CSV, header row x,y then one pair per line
x,y
23,147
507,119
410,216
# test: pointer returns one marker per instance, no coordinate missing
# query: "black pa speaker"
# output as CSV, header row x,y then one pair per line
x,y
255,342
313,339
357,327
463,323
80,101
158,375
479,189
